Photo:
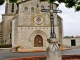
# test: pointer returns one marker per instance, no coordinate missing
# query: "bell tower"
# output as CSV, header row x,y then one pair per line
x,y
11,8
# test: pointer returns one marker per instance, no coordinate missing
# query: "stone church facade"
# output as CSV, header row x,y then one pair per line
x,y
23,24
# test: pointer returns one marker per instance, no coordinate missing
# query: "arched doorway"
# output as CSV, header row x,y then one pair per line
x,y
38,41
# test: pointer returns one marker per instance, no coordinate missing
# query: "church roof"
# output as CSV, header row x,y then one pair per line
x,y
29,0
56,4
23,1
59,17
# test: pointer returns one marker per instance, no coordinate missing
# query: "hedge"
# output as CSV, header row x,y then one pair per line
x,y
6,46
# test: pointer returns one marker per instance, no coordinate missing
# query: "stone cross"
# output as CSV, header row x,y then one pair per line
x,y
53,50
51,10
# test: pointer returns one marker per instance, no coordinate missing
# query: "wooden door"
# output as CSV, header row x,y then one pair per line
x,y
38,41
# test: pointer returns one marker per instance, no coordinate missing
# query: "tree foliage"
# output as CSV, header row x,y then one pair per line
x,y
68,3
2,1
13,1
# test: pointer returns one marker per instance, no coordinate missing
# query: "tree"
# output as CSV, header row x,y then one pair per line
x,y
11,1
68,3
2,1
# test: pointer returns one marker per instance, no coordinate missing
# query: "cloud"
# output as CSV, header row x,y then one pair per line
x,y
2,10
71,21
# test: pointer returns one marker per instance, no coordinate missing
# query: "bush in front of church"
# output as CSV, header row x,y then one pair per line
x,y
17,49
5,45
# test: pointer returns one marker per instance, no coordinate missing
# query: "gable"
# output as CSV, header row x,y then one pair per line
x,y
30,10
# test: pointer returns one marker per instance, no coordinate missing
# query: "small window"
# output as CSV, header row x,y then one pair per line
x,y
32,9
10,23
10,35
26,8
42,6
38,20
37,5
12,7
48,6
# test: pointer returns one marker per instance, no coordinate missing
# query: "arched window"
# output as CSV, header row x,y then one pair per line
x,y
32,9
12,7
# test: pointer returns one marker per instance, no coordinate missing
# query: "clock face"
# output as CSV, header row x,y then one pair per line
x,y
38,20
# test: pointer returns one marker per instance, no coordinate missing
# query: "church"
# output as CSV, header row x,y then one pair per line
x,y
23,24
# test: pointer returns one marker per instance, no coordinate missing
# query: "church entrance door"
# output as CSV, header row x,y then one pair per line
x,y
38,41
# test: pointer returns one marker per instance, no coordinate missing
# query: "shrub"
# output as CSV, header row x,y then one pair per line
x,y
5,45
17,48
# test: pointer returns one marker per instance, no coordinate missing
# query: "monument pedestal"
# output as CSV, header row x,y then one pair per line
x,y
53,50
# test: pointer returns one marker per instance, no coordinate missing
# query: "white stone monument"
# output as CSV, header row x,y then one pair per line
x,y
53,50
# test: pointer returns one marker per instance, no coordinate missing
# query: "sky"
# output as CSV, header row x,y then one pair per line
x,y
71,20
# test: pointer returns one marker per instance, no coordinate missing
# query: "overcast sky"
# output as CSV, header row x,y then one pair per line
x,y
71,20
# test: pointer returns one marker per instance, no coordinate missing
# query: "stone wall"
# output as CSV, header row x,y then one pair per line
x,y
14,31
26,36
7,27
67,42
27,17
